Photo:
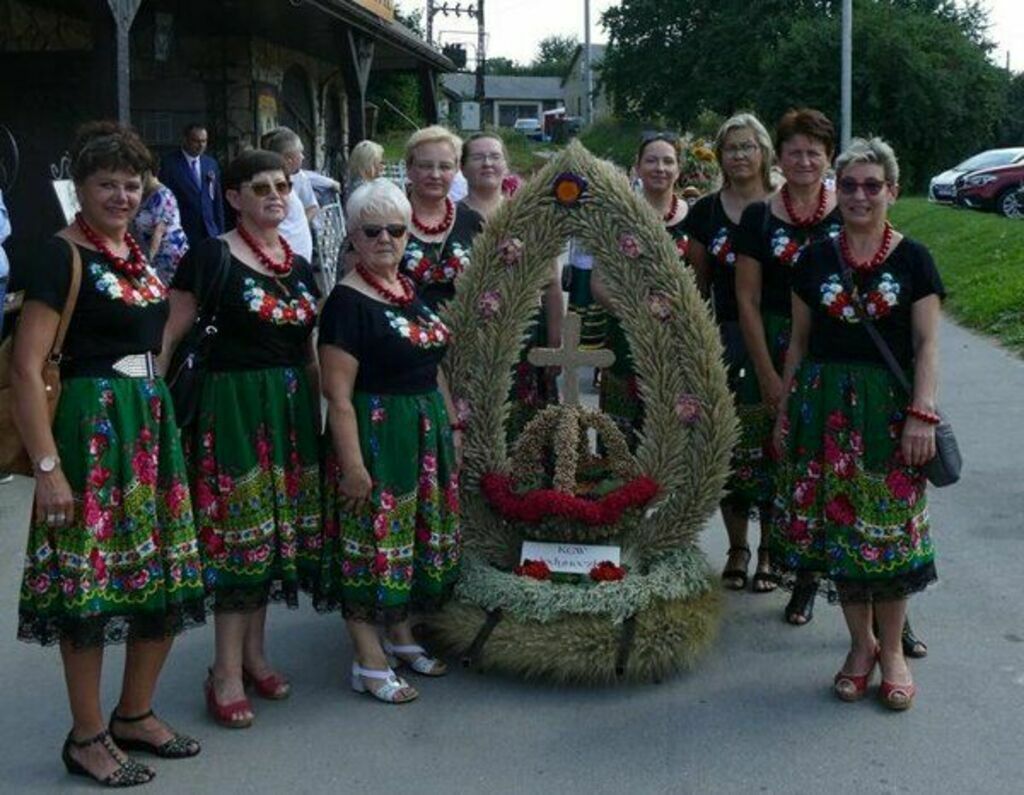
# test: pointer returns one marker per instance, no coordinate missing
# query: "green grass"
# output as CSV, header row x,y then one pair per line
x,y
981,259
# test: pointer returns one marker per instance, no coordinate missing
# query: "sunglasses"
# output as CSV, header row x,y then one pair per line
x,y
848,186
394,231
263,189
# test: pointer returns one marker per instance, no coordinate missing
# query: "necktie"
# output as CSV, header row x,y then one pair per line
x,y
195,172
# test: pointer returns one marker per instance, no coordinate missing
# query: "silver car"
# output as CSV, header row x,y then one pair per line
x,y
943,187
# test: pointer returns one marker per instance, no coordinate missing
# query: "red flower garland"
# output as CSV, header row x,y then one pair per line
x,y
277,268
876,260
534,569
408,291
449,214
539,504
606,571
134,266
811,220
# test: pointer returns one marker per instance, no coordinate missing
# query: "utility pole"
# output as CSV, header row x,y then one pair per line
x,y
588,74
472,11
481,56
847,75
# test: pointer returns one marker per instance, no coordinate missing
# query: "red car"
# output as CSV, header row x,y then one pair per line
x,y
999,188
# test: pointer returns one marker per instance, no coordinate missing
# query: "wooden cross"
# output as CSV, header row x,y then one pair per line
x,y
570,357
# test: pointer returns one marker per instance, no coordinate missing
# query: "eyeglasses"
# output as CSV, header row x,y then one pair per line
x,y
656,135
486,157
848,186
429,166
394,231
262,189
744,149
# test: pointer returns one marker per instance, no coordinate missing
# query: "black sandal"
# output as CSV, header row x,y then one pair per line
x,y
913,646
129,774
736,574
762,578
180,746
801,603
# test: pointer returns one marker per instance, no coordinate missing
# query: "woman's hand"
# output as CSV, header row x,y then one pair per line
x,y
779,435
918,442
54,503
771,391
356,485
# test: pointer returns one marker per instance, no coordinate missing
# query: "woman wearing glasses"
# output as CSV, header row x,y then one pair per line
x,y
657,166
253,450
853,504
391,541
745,155
441,233
771,236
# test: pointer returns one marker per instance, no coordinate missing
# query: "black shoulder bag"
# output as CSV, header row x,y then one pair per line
x,y
189,362
944,469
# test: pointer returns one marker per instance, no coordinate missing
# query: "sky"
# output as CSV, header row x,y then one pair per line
x,y
515,26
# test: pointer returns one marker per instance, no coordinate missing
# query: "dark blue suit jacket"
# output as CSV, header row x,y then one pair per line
x,y
202,211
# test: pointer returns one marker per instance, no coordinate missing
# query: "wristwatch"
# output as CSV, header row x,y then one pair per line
x,y
47,464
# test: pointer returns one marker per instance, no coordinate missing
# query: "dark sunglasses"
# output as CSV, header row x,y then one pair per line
x,y
263,189
872,187
394,231
655,135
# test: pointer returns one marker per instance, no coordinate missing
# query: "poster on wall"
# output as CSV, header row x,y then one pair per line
x,y
382,8
266,109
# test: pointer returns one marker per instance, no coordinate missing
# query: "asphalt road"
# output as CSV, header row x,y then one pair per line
x,y
756,716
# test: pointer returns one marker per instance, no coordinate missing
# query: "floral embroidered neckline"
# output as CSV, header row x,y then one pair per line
x,y
877,303
142,291
439,269
300,311
426,331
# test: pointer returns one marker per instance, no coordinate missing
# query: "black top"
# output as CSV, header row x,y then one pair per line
x,y
777,245
262,321
398,349
434,266
887,293
710,225
115,316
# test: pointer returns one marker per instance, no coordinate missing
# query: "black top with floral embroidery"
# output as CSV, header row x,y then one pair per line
x,y
398,349
710,225
262,321
777,245
434,266
115,316
887,293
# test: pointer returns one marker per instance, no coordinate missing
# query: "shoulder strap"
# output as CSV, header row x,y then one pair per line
x,y
869,325
70,301
212,289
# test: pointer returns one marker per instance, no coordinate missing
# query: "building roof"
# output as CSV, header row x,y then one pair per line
x,y
502,87
597,52
392,31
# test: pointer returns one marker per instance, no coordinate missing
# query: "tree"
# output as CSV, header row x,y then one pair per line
x,y
504,66
553,55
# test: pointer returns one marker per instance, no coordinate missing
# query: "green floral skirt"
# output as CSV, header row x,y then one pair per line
x,y
754,470
127,568
401,551
254,459
593,318
849,508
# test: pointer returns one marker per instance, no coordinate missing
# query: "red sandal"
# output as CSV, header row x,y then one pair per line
x,y
272,686
852,687
897,697
224,714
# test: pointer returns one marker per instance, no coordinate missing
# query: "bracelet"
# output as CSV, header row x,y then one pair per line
x,y
457,426
924,416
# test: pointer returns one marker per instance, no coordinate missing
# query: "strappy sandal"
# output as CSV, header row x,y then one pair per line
x,y
273,686
729,576
420,662
897,697
129,774
224,714
389,692
913,646
801,604
762,581
180,746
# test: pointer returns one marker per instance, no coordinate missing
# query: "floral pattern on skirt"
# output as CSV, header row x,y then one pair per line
x,y
849,507
401,551
127,567
254,458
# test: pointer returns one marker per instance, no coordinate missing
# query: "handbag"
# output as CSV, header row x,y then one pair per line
x,y
944,468
188,366
13,455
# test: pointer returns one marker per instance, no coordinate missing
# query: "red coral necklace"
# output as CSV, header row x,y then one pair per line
x,y
133,266
672,209
282,268
805,221
449,214
402,300
873,262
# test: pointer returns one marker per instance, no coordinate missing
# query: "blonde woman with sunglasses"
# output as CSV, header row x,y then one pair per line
x,y
253,449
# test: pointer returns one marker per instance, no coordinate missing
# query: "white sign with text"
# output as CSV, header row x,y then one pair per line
x,y
569,558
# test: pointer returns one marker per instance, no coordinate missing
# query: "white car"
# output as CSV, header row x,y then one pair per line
x,y
531,128
943,187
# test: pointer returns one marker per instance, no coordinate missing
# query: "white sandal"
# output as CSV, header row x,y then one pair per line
x,y
389,691
420,663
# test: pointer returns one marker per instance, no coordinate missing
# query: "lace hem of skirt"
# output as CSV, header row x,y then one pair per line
x,y
845,591
105,630
250,598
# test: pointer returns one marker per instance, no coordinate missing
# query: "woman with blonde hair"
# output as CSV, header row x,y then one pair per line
x,y
365,163
441,235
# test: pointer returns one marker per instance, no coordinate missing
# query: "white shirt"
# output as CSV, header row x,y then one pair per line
x,y
459,189
295,228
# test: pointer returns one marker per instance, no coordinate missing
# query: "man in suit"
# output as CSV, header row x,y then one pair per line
x,y
194,179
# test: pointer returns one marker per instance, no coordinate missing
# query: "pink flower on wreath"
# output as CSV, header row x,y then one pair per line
x,y
688,409
462,410
660,306
629,246
380,526
489,304
841,511
387,501
510,251
901,486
